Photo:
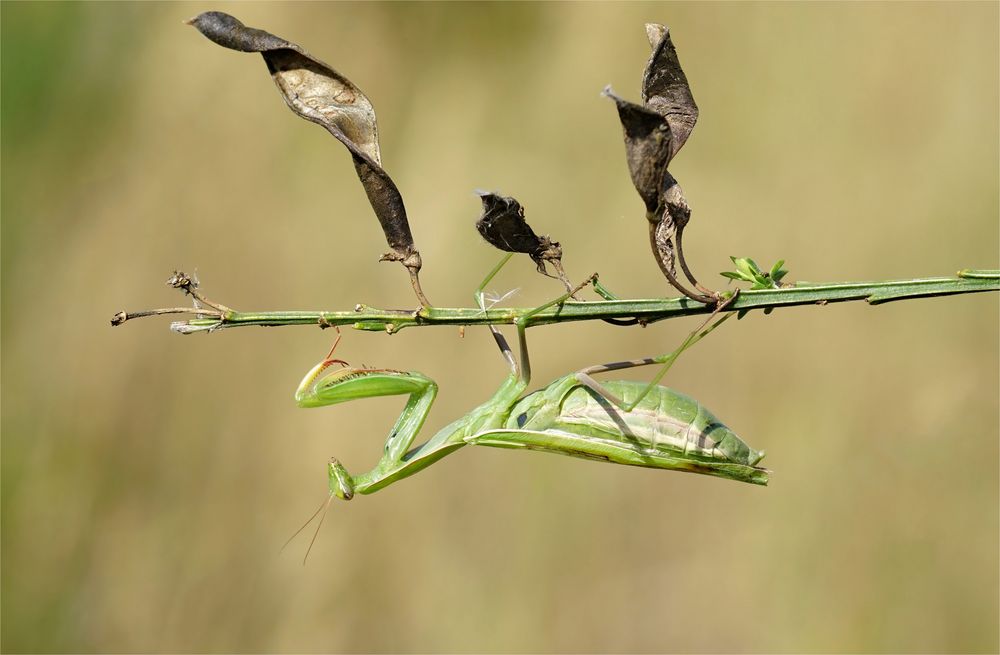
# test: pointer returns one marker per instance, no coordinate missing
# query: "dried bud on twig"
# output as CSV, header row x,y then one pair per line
x,y
318,93
503,226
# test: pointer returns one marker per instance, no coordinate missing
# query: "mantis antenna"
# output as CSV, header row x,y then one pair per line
x,y
322,508
584,376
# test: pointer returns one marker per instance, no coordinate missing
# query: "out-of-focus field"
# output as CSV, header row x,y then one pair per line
x,y
150,479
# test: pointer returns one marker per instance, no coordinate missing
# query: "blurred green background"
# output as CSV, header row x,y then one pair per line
x,y
150,479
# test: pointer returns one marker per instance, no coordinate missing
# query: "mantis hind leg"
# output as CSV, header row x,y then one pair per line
x,y
687,271
585,378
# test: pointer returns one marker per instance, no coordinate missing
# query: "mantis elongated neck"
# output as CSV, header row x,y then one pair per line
x,y
398,463
489,416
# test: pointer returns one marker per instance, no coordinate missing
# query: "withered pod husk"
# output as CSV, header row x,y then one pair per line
x,y
502,224
665,88
318,93
656,130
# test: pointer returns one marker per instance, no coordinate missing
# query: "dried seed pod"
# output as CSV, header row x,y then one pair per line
x,y
647,149
654,132
318,93
665,88
502,224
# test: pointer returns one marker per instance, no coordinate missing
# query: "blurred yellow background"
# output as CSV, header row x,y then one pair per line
x,y
150,479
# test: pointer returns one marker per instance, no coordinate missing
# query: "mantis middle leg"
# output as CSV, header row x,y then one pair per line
x,y
522,369
667,360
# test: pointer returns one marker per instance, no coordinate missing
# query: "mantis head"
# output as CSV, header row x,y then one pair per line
x,y
341,486
341,483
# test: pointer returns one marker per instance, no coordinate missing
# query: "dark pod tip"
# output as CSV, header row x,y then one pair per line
x,y
229,32
637,120
607,92
214,24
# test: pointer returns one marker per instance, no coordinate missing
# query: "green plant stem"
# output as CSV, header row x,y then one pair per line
x,y
647,311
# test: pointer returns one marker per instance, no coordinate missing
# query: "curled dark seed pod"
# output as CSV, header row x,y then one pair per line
x,y
665,88
319,94
647,148
502,224
657,129
654,133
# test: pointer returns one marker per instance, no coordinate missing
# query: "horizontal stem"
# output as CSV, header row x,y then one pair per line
x,y
647,311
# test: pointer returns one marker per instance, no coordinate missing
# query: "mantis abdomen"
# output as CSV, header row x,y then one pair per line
x,y
665,430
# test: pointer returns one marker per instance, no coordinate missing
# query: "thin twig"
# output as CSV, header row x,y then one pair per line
x,y
645,311
189,285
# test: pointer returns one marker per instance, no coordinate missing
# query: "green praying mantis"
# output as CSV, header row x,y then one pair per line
x,y
622,422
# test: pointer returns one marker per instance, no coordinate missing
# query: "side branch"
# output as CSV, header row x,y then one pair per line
x,y
215,316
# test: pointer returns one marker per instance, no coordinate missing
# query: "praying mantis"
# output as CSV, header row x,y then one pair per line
x,y
622,422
